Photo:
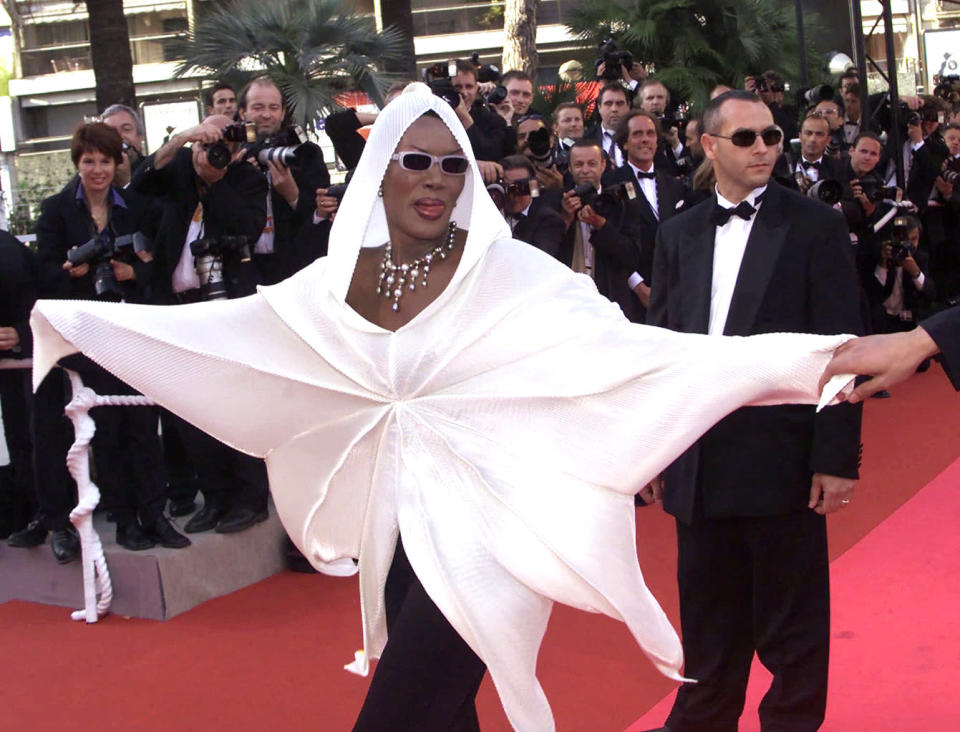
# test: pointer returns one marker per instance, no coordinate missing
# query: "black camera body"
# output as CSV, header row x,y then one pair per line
x,y
445,89
606,201
874,191
951,171
219,154
98,251
899,241
612,59
826,190
496,96
485,72
208,255
337,190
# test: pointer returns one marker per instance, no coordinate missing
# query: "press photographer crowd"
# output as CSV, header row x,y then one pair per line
x,y
244,199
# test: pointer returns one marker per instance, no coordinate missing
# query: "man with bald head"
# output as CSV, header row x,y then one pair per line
x,y
207,193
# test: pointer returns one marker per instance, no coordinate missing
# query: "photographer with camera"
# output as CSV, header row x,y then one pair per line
x,y
538,145
924,151
863,187
294,170
488,132
214,209
532,219
612,106
832,111
770,87
942,220
895,276
91,247
601,238
221,98
520,90
615,65
812,166
127,122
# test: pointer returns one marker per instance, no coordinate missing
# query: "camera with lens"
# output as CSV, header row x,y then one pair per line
x,y
208,256
496,96
538,145
899,240
827,191
292,156
498,193
612,59
675,118
98,252
606,201
874,191
951,171
445,89
485,72
337,190
219,154
523,187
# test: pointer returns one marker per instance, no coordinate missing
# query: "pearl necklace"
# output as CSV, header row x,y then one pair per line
x,y
395,278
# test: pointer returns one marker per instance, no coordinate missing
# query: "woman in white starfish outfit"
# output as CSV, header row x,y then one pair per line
x,y
500,419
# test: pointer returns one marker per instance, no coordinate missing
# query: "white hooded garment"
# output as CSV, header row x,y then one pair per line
x,y
503,431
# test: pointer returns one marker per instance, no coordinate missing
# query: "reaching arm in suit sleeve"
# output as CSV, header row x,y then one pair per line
x,y
238,202
548,232
834,308
619,239
944,328
657,310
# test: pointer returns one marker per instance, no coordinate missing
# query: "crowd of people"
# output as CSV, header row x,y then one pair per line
x,y
716,224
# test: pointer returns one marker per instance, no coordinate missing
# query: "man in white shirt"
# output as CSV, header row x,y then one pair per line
x,y
750,497
654,97
612,106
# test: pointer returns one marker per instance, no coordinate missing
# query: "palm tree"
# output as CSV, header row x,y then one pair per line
x,y
520,35
399,14
694,45
110,53
312,50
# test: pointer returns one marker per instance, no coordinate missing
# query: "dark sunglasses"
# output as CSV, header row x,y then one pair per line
x,y
746,138
420,161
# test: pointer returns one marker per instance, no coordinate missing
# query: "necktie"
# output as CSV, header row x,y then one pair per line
x,y
721,215
807,165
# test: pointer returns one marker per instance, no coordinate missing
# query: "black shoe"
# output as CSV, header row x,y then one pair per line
x,y
166,535
131,536
882,394
205,519
182,506
34,535
239,519
65,545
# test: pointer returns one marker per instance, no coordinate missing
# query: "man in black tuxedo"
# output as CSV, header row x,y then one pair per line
x,y
654,97
750,497
531,219
659,194
812,165
612,106
602,242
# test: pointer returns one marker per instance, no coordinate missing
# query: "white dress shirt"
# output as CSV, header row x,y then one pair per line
x,y
610,147
728,248
811,173
185,275
649,188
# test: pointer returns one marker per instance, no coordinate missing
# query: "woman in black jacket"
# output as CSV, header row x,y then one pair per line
x,y
91,246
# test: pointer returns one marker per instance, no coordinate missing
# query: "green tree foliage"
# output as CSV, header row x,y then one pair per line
x,y
313,50
694,45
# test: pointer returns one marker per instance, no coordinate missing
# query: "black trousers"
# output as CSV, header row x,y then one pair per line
x,y
181,475
228,477
52,436
753,584
17,494
427,678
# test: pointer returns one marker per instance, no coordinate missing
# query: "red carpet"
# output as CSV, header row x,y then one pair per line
x,y
271,655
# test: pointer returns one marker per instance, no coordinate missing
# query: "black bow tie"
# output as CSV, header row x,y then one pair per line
x,y
721,215
807,165
518,216
641,175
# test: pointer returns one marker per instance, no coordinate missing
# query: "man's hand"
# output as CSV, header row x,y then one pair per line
x,y
652,492
122,271
865,203
283,183
635,73
326,205
642,291
203,133
915,133
591,218
672,136
76,271
9,338
910,266
829,493
464,114
945,188
490,171
889,359
550,179
569,205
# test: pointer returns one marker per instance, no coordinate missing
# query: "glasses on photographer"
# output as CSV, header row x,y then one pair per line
x,y
421,161
746,138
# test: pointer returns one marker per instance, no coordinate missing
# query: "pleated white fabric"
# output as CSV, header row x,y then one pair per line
x,y
503,431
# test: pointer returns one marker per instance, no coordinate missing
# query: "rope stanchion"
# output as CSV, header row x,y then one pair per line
x,y
97,588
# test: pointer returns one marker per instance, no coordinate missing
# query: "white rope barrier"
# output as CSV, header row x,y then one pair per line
x,y
97,588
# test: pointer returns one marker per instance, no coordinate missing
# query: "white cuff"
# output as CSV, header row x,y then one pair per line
x,y
918,281
632,84
634,280
317,218
678,150
916,145
881,274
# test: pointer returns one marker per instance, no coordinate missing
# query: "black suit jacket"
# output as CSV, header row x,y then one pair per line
x,y
18,292
944,328
235,205
65,223
670,193
543,227
797,275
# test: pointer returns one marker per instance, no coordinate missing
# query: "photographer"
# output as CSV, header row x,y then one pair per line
x,y
280,251
531,219
567,125
601,239
211,217
942,220
127,122
863,189
832,111
343,128
895,277
924,151
654,98
221,98
537,144
612,106
770,87
812,165
90,246
489,134
620,66
519,88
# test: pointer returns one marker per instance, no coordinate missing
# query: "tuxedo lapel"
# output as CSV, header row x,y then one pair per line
x,y
759,259
696,273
